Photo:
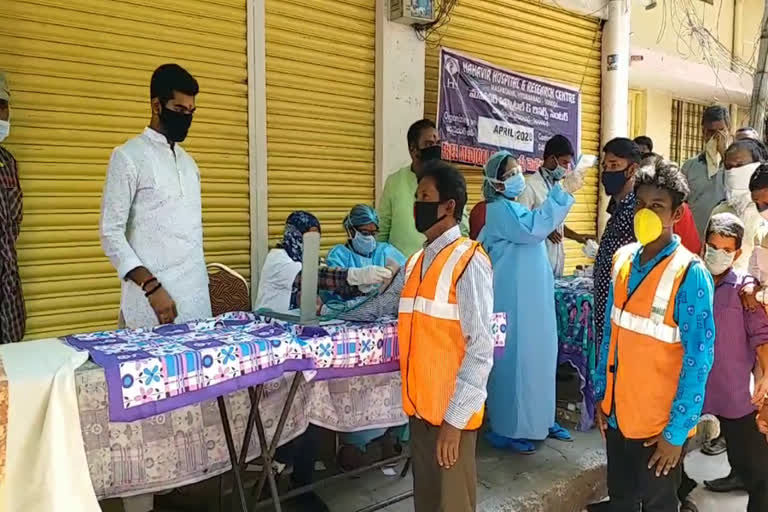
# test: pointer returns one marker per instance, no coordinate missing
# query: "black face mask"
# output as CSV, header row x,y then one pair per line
x,y
431,153
176,124
613,181
425,215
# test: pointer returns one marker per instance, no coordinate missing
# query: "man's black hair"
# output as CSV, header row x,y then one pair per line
x,y
756,148
727,225
416,129
759,179
644,140
715,113
665,175
558,146
450,184
623,148
171,77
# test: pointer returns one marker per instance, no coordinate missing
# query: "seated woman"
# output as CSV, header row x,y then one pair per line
x,y
362,249
280,279
280,290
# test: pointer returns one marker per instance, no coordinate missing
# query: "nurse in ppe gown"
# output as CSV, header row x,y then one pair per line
x,y
521,388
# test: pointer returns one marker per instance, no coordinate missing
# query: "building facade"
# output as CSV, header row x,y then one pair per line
x,y
304,104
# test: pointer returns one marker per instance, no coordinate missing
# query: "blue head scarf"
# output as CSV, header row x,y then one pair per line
x,y
296,225
492,172
360,215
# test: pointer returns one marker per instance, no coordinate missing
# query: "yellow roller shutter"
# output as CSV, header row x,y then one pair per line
x,y
320,110
538,40
79,72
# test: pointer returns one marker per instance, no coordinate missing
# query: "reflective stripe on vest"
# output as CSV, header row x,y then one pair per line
x,y
440,307
654,325
412,261
645,326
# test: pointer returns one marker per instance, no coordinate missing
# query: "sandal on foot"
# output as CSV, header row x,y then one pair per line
x,y
560,433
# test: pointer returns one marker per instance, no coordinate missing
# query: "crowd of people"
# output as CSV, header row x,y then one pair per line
x,y
680,280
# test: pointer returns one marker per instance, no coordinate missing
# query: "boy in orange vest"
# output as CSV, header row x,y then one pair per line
x,y
443,298
657,350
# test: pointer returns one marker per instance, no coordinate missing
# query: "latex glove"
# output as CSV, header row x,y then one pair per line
x,y
573,182
590,249
368,276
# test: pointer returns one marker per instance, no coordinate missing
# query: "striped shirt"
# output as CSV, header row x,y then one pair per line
x,y
474,291
12,312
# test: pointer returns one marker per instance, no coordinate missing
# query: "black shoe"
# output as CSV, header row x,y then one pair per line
x,y
730,483
686,487
714,447
603,506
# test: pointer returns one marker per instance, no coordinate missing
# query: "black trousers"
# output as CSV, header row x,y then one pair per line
x,y
633,487
748,456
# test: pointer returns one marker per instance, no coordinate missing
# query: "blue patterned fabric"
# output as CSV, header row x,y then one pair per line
x,y
296,225
693,314
576,339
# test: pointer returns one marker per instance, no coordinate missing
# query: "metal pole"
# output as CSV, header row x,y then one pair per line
x,y
614,85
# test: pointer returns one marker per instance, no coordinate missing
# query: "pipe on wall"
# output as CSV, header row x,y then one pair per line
x,y
614,84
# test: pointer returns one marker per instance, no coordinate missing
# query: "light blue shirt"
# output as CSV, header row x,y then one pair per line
x,y
344,256
694,315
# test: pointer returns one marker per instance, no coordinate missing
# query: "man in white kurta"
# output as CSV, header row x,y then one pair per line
x,y
151,214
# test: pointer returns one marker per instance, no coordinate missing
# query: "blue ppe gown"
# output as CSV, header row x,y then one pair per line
x,y
521,388
343,256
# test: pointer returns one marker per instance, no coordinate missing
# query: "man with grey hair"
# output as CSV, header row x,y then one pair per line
x,y
704,172
746,132
12,313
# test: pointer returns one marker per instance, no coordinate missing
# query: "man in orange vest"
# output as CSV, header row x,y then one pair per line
x,y
444,301
657,350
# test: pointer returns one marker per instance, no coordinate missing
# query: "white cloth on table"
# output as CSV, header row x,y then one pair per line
x,y
276,281
151,216
47,469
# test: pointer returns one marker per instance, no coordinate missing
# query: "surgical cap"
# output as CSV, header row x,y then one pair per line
x,y
492,172
361,215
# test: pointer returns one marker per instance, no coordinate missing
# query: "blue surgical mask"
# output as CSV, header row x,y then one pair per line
x,y
364,244
557,173
514,186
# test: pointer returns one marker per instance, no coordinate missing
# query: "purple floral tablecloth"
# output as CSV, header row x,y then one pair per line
x,y
152,371
574,305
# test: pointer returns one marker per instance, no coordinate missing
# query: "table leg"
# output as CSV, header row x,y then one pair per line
x,y
270,449
238,480
266,457
255,396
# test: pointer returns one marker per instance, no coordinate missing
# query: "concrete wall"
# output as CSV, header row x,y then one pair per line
x,y
659,120
661,28
399,92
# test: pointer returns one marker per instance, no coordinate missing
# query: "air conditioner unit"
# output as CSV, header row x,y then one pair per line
x,y
411,12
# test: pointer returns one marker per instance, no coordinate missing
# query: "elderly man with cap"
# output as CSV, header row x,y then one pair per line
x,y
12,313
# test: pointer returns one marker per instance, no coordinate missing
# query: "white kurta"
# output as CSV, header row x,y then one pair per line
x,y
536,192
151,216
276,281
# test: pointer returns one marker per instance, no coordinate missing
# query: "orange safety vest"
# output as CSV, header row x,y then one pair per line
x,y
645,354
431,341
